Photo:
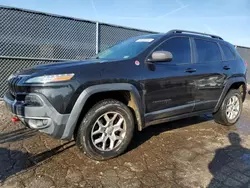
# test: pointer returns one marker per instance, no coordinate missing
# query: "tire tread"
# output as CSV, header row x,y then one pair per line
x,y
220,116
81,143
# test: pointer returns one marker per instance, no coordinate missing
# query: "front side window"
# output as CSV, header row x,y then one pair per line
x,y
179,47
229,55
207,51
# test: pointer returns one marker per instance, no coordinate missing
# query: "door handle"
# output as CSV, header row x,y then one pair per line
x,y
190,70
226,68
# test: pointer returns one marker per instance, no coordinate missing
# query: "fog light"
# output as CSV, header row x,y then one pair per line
x,y
38,123
45,122
35,123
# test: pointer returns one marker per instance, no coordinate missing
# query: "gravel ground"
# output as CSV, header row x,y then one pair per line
x,y
194,152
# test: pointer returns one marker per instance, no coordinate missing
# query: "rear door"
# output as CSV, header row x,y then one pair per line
x,y
209,76
229,63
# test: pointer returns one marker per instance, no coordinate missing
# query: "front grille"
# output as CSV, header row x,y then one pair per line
x,y
13,85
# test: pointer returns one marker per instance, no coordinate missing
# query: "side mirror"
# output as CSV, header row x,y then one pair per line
x,y
161,56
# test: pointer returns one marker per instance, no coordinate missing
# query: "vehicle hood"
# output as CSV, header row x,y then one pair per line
x,y
59,65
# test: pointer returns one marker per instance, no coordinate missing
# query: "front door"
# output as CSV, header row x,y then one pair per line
x,y
168,86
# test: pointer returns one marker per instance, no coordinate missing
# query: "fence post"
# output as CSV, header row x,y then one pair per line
x,y
97,39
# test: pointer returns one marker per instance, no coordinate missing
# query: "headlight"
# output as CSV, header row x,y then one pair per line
x,y
50,78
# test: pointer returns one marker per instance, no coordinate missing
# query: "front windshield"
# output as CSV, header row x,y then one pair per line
x,y
128,48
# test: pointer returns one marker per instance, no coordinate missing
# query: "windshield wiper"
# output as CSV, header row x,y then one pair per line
x,y
94,57
91,58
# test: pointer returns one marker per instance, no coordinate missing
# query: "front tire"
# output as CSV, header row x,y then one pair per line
x,y
106,130
230,110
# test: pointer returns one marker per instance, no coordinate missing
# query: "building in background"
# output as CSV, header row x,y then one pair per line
x,y
245,54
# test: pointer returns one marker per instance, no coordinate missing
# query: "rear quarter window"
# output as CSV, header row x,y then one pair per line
x,y
207,51
228,53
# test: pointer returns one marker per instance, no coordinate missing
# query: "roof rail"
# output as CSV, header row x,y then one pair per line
x,y
193,32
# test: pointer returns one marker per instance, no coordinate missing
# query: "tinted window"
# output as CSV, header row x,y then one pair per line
x,y
229,55
207,51
179,47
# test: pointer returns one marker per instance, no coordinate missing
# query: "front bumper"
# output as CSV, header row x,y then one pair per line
x,y
44,118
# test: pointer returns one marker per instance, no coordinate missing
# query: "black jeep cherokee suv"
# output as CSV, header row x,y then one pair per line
x,y
139,82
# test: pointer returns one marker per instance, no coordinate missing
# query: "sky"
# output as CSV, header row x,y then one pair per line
x,y
229,19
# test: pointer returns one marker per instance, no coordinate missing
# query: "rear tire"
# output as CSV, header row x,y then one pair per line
x,y
106,130
230,109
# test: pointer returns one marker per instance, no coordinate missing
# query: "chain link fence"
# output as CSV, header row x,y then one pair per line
x,y
29,38
110,35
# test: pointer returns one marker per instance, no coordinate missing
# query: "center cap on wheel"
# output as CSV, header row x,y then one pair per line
x,y
109,130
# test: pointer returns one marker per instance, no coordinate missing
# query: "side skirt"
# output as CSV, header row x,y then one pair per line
x,y
167,119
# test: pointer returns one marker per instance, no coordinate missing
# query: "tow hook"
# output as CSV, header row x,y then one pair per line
x,y
15,119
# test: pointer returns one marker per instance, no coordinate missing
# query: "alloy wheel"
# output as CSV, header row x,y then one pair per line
x,y
108,131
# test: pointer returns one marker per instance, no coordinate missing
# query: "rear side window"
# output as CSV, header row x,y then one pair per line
x,y
207,51
229,55
179,47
